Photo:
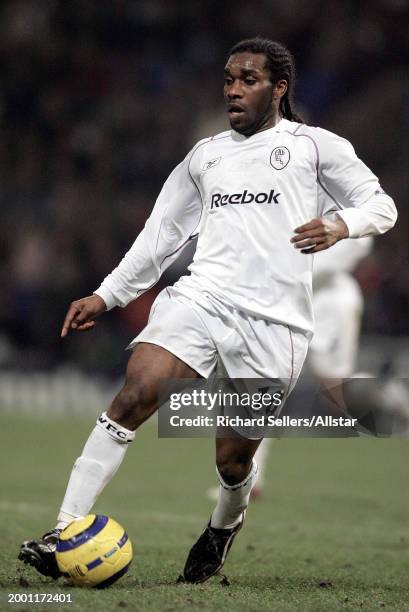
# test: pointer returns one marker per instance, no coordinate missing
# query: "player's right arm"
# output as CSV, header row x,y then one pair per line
x,y
174,221
81,314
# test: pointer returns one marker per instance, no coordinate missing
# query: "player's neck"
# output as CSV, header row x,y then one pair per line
x,y
270,124
267,124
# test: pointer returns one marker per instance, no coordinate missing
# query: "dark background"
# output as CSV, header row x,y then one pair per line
x,y
99,100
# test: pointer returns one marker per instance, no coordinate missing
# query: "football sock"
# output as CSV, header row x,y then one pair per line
x,y
233,500
101,457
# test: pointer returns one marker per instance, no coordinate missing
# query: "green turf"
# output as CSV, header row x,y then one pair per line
x,y
330,534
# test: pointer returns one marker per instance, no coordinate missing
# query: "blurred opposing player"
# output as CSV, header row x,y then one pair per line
x,y
338,306
332,355
252,194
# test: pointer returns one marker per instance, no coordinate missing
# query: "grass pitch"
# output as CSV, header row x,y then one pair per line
x,y
331,532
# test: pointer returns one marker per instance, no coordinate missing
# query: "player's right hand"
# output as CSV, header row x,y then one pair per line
x,y
81,314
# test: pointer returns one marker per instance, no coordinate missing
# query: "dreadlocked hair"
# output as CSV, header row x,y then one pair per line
x,y
280,63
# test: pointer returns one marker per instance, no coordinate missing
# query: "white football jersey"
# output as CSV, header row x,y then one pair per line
x,y
244,197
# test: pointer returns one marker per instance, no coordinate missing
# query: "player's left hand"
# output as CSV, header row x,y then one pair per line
x,y
319,234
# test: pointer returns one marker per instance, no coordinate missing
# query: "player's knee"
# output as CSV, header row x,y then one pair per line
x,y
133,404
233,469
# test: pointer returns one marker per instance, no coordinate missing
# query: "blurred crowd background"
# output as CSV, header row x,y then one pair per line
x,y
99,100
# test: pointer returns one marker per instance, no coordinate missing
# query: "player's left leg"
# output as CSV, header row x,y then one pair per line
x,y
261,458
237,472
269,355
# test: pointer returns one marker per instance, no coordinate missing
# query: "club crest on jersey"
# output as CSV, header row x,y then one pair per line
x,y
211,164
279,158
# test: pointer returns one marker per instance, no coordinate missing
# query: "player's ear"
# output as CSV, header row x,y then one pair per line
x,y
280,88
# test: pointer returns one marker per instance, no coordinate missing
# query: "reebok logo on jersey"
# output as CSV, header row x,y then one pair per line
x,y
245,197
211,164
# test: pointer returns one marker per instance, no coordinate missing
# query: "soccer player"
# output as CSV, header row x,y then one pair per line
x,y
253,195
338,307
332,355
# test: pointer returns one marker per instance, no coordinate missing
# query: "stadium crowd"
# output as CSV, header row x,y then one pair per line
x,y
99,100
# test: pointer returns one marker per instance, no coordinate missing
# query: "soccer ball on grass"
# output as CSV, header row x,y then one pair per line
x,y
94,551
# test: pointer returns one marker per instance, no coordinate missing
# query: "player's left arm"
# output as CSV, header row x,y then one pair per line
x,y
319,234
362,207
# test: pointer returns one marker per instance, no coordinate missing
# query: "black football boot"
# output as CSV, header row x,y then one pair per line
x,y
208,555
41,553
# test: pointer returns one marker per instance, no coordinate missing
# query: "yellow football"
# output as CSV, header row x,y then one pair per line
x,y
94,551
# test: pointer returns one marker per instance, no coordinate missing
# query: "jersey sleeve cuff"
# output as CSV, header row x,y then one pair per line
x,y
107,296
355,221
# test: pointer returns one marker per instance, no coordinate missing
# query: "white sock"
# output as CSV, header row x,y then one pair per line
x,y
233,500
261,458
101,457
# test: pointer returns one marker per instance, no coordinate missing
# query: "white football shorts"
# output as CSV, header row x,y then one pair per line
x,y
338,307
207,334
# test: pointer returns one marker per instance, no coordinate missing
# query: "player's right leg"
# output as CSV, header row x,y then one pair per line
x,y
107,444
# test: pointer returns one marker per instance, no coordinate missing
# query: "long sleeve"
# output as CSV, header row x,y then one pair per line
x,y
355,191
173,222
